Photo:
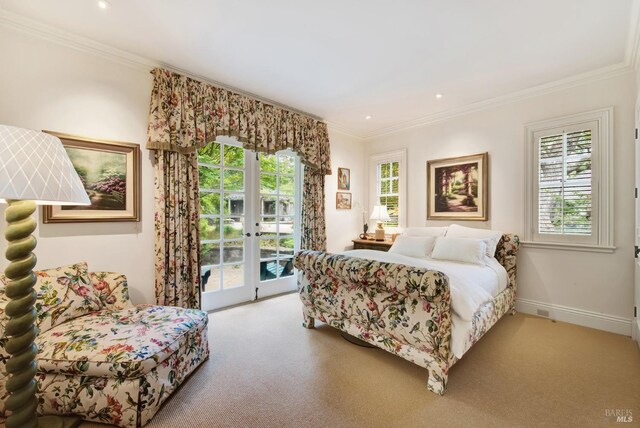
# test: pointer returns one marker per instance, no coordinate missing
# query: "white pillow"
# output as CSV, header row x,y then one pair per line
x,y
413,246
425,231
490,237
466,250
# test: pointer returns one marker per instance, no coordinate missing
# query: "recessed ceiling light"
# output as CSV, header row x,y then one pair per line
x,y
103,4
367,117
438,96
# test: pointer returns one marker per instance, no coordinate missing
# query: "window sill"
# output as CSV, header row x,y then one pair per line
x,y
570,247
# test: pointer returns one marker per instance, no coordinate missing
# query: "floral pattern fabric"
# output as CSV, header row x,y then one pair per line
x,y
177,229
314,234
115,366
111,289
401,309
186,114
63,294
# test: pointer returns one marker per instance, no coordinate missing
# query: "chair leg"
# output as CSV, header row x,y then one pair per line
x,y
308,322
437,382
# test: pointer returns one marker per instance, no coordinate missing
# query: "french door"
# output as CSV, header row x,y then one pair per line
x,y
249,223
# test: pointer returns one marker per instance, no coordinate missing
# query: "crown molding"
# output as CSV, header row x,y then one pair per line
x,y
632,56
534,91
62,37
80,43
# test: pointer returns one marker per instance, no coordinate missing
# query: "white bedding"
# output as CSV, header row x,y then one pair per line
x,y
471,285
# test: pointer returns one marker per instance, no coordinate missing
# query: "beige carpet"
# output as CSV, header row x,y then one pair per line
x,y
266,370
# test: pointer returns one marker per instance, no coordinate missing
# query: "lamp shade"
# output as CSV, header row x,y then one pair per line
x,y
35,166
380,213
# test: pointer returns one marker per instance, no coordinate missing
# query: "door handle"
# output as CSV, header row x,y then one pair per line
x,y
258,234
247,235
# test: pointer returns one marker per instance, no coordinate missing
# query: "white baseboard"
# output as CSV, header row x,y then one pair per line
x,y
581,317
636,331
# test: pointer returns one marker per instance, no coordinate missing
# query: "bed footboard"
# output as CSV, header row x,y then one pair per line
x,y
402,309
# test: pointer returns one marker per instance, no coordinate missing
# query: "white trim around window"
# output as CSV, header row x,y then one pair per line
x,y
600,124
399,156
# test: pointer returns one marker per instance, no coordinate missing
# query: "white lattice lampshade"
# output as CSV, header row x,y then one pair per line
x,y
35,166
380,213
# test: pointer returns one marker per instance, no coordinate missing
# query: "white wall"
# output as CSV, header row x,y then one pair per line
x,y
600,283
44,85
345,225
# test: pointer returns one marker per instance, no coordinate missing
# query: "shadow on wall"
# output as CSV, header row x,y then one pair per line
x,y
87,229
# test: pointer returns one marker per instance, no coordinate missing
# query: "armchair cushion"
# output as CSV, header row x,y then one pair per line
x,y
64,293
124,343
111,290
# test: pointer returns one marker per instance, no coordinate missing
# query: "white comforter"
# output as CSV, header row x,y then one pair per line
x,y
470,285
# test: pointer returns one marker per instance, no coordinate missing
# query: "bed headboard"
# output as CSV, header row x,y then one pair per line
x,y
506,252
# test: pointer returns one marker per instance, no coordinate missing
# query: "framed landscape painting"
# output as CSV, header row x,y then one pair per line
x,y
457,188
110,172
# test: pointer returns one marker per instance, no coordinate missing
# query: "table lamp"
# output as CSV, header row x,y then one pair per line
x,y
380,214
34,169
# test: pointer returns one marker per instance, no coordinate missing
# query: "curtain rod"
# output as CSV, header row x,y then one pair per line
x,y
238,91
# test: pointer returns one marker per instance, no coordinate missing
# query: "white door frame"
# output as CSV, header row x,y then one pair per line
x,y
635,320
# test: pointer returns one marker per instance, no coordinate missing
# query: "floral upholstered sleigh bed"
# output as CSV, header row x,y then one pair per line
x,y
402,309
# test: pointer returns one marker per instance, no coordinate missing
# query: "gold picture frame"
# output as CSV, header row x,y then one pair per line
x,y
343,200
344,178
110,171
458,188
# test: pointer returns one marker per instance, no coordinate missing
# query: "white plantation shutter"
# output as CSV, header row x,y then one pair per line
x,y
565,184
569,182
388,184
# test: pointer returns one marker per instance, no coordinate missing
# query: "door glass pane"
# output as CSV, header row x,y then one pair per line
x,y
286,206
285,247
210,253
209,229
268,205
268,183
232,276
209,177
233,252
268,249
286,186
233,180
268,163
233,156
268,270
286,267
209,203
286,164
268,227
233,204
210,278
233,228
286,226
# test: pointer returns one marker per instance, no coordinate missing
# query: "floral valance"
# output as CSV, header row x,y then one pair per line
x,y
187,114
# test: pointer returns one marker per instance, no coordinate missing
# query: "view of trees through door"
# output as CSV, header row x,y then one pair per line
x,y
249,214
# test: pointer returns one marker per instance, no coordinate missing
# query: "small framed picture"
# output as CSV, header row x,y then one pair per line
x,y
110,172
457,188
343,201
344,179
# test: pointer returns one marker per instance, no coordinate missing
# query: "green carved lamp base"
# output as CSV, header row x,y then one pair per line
x,y
21,327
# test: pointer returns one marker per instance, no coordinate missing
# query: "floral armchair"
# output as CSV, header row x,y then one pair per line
x,y
101,357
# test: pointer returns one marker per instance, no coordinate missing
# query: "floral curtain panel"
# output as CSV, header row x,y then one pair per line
x,y
314,235
185,115
177,227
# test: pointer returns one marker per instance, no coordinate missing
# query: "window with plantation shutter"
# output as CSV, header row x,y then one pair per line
x,y
388,187
568,196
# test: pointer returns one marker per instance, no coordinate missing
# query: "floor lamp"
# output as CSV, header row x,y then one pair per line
x,y
34,169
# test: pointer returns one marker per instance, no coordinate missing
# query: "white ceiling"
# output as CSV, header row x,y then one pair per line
x,y
343,60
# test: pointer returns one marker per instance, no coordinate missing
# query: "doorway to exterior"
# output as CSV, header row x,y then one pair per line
x,y
249,222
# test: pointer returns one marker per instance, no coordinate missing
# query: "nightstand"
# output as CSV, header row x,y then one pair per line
x,y
370,244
